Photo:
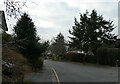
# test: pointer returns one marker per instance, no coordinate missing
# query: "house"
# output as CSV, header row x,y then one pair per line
x,y
3,24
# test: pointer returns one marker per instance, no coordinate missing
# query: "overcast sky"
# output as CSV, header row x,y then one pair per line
x,y
54,16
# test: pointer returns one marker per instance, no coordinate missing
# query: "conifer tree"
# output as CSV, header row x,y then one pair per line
x,y
91,32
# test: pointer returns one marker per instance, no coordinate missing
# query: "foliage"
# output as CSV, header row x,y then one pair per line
x,y
117,44
26,38
14,7
37,65
113,55
58,47
91,32
43,46
59,58
6,37
25,28
78,57
107,56
91,59
102,57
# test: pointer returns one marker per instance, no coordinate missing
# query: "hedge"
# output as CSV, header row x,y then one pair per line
x,y
79,57
107,56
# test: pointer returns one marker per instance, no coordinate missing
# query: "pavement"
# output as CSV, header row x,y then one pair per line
x,y
58,72
83,72
45,75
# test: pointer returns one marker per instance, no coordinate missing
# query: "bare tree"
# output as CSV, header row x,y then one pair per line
x,y
14,7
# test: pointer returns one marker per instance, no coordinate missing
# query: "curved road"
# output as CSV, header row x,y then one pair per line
x,y
79,72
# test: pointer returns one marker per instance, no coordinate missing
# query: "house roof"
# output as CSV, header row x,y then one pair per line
x,y
3,23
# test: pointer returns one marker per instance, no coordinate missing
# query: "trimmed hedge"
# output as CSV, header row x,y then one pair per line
x,y
107,56
78,57
90,59
101,54
113,55
104,56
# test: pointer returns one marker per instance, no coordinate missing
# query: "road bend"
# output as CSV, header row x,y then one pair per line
x,y
83,72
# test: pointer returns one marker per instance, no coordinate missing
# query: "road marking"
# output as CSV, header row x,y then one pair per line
x,y
55,74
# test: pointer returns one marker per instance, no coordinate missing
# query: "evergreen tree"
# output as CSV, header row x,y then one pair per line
x,y
25,28
27,39
91,32
58,47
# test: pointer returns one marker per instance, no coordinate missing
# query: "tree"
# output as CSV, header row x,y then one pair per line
x,y
58,46
91,32
25,28
14,7
44,46
26,37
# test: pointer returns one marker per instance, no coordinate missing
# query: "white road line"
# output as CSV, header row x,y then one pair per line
x,y
55,74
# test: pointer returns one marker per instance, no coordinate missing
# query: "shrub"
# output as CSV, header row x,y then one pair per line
x,y
69,56
78,57
58,58
113,56
90,59
107,56
54,58
6,37
102,57
37,65
63,58
118,54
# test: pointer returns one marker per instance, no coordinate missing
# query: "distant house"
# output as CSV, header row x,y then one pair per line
x,y
3,24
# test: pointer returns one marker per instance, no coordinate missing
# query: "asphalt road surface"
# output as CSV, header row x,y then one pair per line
x,y
83,72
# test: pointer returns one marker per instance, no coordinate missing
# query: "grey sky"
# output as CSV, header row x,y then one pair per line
x,y
54,16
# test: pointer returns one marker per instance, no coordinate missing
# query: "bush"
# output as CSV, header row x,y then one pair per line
x,y
118,54
55,58
107,56
102,57
37,65
78,57
113,56
90,59
6,37
63,58
68,56
58,58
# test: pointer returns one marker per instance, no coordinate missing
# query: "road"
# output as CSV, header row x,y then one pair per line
x,y
44,75
79,72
